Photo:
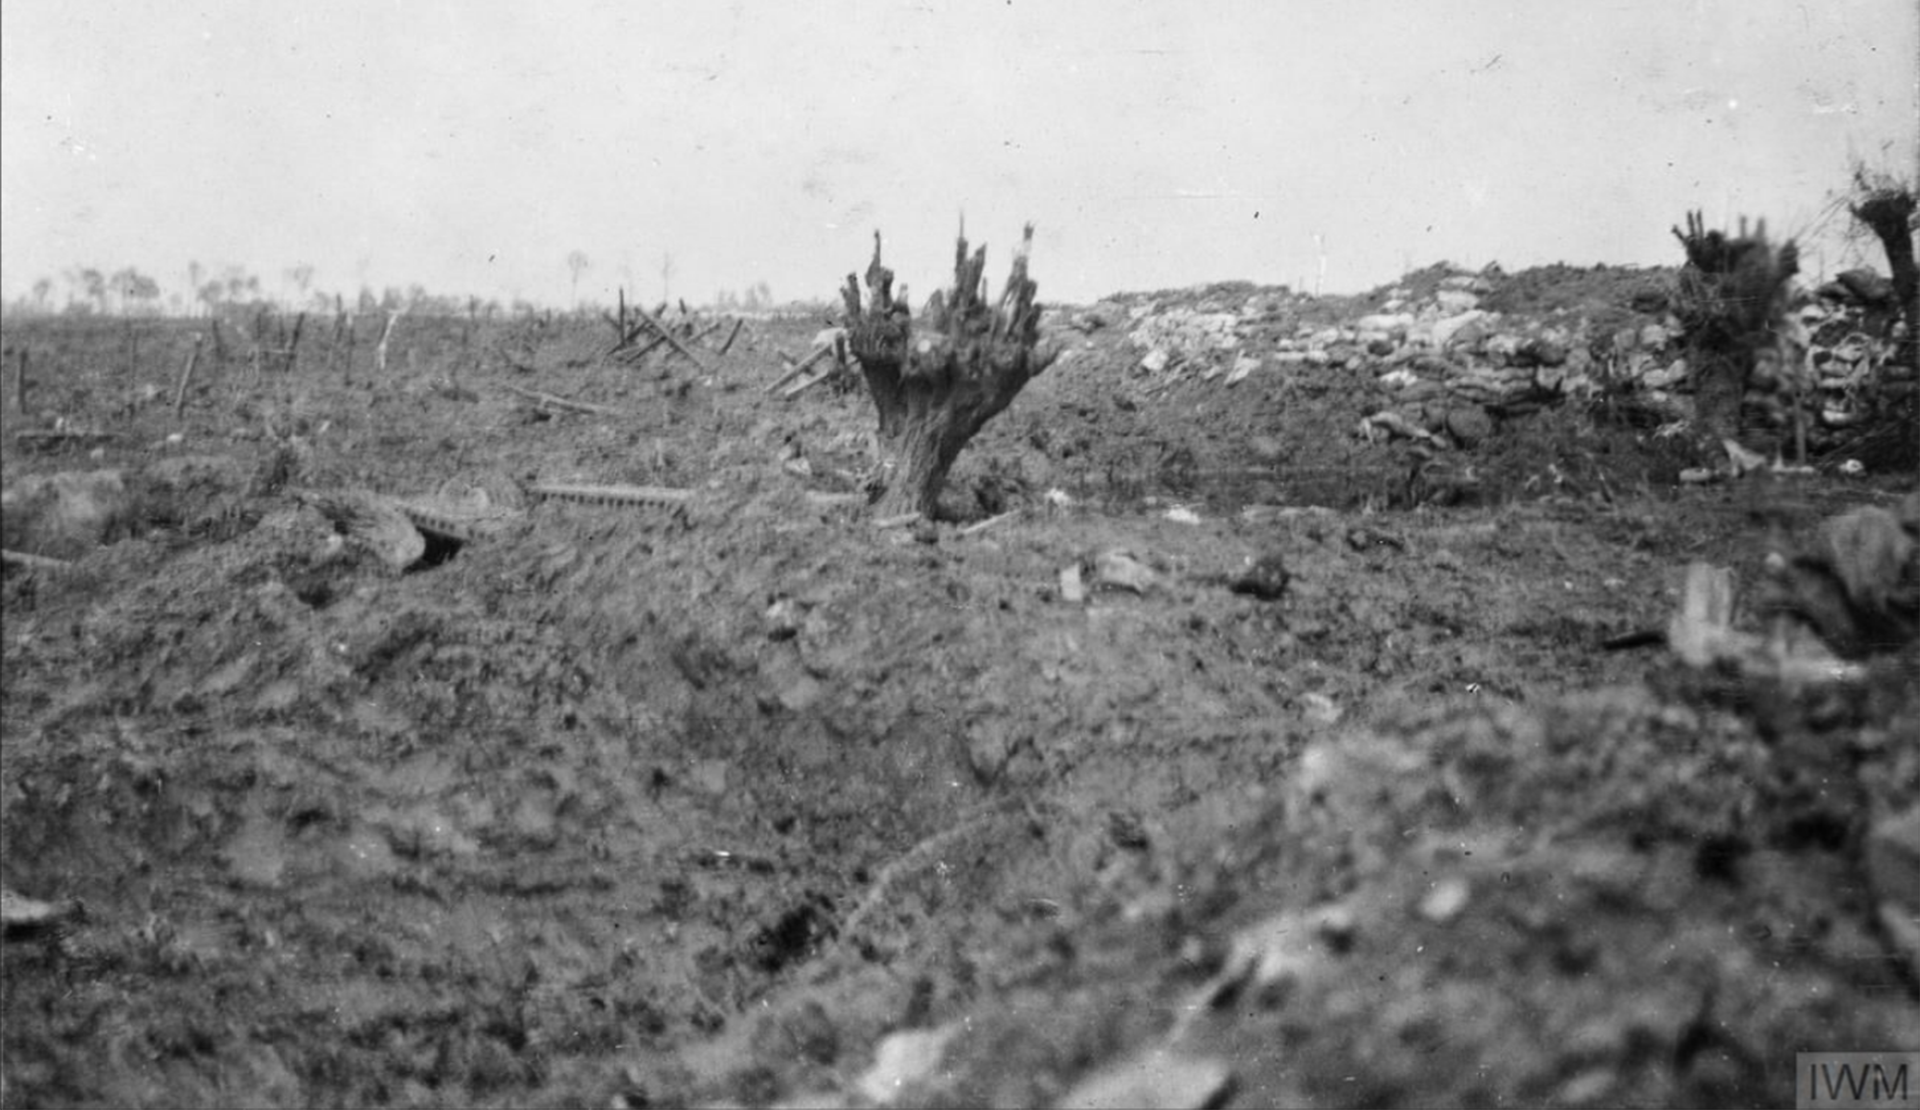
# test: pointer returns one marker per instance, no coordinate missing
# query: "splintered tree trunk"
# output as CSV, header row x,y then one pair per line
x,y
936,390
1731,301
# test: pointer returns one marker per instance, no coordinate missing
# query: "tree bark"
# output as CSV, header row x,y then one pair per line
x,y
1731,301
934,392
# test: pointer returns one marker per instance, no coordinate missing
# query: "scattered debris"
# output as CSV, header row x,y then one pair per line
x,y
548,402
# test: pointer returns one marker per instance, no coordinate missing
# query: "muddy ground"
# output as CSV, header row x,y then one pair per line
x,y
754,802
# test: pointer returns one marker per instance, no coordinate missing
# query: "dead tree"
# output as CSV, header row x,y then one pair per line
x,y
935,391
1731,301
1887,211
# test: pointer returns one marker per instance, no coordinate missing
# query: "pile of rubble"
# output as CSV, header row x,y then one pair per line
x,y
1447,367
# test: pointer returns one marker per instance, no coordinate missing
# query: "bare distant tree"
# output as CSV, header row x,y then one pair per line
x,y
42,290
135,289
242,287
577,263
301,278
93,287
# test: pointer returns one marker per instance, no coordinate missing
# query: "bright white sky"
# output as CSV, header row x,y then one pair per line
x,y
470,146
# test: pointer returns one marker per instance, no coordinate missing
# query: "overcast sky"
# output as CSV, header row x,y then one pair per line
x,y
471,146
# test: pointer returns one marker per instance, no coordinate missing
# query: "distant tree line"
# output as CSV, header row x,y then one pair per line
x,y
209,291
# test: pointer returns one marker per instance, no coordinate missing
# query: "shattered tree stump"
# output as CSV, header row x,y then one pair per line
x,y
1731,301
1888,213
934,392
1887,210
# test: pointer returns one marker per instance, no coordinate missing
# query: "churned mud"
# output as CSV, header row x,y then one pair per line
x,y
1220,750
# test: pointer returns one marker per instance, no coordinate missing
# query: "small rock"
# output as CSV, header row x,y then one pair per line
x,y
1460,330
1267,448
903,1059
1155,360
1590,1088
1540,351
1446,900
1893,859
1902,926
1180,514
1320,709
1866,286
1119,570
1242,366
22,917
1469,425
1653,337
783,619
1265,580
1388,322
1072,590
1156,1078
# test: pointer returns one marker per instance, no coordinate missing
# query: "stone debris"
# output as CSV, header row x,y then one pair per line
x,y
1440,357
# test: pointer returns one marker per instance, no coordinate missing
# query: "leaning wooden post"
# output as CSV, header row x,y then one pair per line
x,y
346,370
380,351
186,376
293,344
20,383
732,335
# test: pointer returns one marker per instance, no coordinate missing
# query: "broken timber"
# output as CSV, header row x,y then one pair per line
x,y
665,333
393,526
549,401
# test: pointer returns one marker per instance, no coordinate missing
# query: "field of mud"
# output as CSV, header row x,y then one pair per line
x,y
1217,752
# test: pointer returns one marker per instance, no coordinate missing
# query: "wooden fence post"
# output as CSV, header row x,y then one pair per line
x,y
186,376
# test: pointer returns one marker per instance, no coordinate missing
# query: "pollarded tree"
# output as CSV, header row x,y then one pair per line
x,y
1887,208
577,264
935,391
1731,301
